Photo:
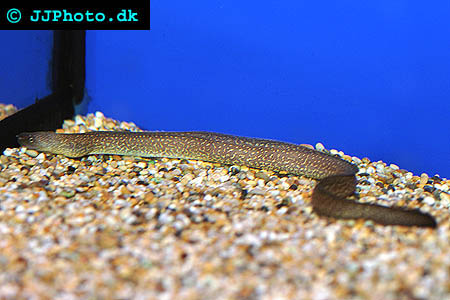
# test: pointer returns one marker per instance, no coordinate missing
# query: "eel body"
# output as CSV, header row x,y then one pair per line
x,y
336,176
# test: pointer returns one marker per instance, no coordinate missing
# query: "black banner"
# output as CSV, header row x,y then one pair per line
x,y
69,18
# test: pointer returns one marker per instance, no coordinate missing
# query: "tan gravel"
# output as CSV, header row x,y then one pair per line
x,y
111,227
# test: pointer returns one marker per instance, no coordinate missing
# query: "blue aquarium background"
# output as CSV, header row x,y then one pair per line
x,y
369,78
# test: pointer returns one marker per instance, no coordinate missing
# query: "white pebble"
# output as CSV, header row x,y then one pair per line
x,y
165,218
429,200
98,123
320,147
40,157
79,120
380,168
8,152
297,199
445,187
130,219
370,170
274,193
121,203
356,160
394,167
282,211
285,186
224,178
445,197
362,170
141,164
99,114
19,208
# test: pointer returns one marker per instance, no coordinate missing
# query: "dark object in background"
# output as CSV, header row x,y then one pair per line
x,y
67,83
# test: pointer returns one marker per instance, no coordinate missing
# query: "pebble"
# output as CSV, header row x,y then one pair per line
x,y
8,152
32,153
423,179
112,227
445,199
394,167
320,147
429,200
356,160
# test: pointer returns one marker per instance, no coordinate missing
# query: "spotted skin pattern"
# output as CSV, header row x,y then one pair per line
x,y
336,176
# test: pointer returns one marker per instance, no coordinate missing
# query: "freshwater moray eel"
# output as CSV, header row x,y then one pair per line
x,y
336,176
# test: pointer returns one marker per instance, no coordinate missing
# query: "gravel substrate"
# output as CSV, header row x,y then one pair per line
x,y
111,227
